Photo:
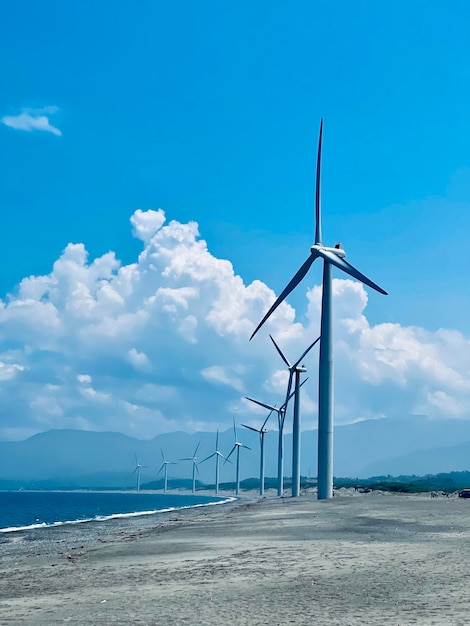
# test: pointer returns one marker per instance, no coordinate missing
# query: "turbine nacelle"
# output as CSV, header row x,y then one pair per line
x,y
338,249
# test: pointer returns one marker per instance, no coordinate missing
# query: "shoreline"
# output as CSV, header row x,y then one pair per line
x,y
44,540
214,501
396,559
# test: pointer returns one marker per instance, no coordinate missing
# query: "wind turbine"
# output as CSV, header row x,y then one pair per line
x,y
262,431
295,371
331,256
237,446
218,455
194,460
137,469
281,416
164,467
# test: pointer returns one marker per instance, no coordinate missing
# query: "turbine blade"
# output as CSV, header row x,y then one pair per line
x,y
317,189
208,457
250,428
284,406
197,468
217,440
266,406
242,445
265,421
280,352
290,287
231,452
289,387
163,456
342,264
304,354
197,448
188,458
162,467
234,429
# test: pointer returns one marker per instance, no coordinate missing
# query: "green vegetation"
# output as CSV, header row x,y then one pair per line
x,y
448,483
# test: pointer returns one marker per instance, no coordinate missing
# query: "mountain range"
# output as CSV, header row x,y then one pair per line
x,y
414,445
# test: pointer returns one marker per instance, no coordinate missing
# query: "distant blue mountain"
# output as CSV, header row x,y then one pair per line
x,y
416,445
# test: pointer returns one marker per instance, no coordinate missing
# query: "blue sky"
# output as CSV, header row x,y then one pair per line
x,y
210,110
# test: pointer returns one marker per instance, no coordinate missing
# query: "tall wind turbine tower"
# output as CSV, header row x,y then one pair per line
x,y
237,446
137,470
281,416
295,371
195,469
164,467
262,431
218,455
330,256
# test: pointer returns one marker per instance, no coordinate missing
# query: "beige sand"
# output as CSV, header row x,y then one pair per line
x,y
365,560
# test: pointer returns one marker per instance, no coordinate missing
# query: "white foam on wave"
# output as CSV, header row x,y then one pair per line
x,y
105,518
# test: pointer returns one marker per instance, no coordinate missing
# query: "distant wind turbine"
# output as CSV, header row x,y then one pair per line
x,y
137,469
164,467
237,446
281,416
331,256
195,468
295,371
218,455
261,431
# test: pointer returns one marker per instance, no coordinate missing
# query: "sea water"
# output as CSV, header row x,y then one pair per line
x,y
22,510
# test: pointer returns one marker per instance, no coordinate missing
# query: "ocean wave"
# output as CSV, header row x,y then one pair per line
x,y
105,518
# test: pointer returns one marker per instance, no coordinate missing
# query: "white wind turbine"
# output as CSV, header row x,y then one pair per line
x,y
261,431
137,469
237,446
218,455
195,468
164,467
281,416
295,370
331,257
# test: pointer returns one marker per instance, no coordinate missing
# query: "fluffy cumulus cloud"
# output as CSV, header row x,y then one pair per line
x,y
33,119
162,344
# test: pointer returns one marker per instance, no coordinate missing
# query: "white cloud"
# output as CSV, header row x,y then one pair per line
x,y
9,370
147,223
33,119
164,340
95,396
139,360
217,374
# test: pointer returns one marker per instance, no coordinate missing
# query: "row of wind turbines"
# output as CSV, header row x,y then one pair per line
x,y
331,256
295,371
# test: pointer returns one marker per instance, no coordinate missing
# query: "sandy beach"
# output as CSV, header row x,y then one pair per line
x,y
364,559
